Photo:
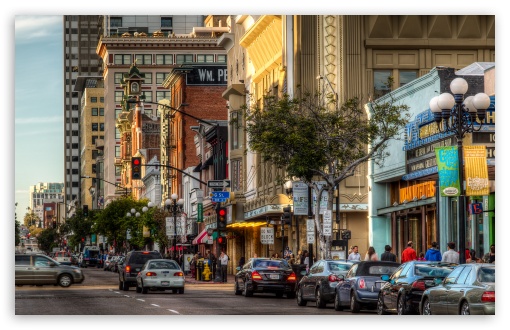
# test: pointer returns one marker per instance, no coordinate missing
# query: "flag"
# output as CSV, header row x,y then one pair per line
x,y
476,172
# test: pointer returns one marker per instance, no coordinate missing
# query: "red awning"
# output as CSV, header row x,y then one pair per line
x,y
201,238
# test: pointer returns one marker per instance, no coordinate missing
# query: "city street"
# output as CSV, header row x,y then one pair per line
x,y
99,295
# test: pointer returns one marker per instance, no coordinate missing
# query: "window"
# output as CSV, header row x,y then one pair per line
x,y
405,77
101,127
143,59
95,153
74,133
166,22
94,138
93,168
184,58
453,275
380,83
464,275
93,99
94,111
164,59
74,145
148,96
117,133
94,127
117,113
118,96
115,21
162,95
101,111
147,79
160,77
122,59
75,171
117,151
222,58
118,78
236,130
101,99
205,58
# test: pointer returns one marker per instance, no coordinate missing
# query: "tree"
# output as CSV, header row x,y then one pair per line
x,y
17,239
79,225
31,219
311,140
47,239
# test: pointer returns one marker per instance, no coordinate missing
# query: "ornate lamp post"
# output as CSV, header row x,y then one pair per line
x,y
457,115
175,205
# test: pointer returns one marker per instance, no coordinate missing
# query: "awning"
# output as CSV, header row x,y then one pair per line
x,y
201,238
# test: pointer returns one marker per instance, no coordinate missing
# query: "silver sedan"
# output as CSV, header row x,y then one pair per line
x,y
160,275
468,289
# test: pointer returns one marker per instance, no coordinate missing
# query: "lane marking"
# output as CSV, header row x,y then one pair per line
x,y
171,310
140,300
127,296
155,305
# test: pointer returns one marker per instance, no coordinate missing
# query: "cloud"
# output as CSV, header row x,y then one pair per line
x,y
22,191
39,120
45,133
30,27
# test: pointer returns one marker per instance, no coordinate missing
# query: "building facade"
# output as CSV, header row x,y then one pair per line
x,y
44,192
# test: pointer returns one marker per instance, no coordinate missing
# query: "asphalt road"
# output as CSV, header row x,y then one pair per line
x,y
99,295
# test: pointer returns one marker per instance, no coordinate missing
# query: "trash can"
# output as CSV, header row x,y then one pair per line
x,y
200,269
297,269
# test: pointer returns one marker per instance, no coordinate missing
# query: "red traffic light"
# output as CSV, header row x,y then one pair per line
x,y
136,161
222,212
221,240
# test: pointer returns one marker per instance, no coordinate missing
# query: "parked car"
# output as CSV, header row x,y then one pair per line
x,y
38,269
128,270
320,281
107,261
401,293
115,264
160,274
63,257
361,285
470,289
260,275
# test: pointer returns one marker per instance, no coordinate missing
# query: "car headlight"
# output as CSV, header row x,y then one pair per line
x,y
77,271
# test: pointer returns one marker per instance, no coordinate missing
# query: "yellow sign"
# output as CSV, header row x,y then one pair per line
x,y
427,189
476,173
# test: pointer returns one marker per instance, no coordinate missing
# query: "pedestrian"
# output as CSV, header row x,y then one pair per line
x,y
193,266
354,254
388,255
472,257
451,255
223,260
287,253
292,259
490,257
241,262
433,254
409,253
421,256
371,255
306,260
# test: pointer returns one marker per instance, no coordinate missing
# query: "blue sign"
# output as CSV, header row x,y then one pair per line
x,y
220,194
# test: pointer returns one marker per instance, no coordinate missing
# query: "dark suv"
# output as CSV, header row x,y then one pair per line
x,y
131,266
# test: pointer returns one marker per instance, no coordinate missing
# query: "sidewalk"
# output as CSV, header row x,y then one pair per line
x,y
191,280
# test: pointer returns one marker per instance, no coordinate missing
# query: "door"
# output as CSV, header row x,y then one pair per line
x,y
308,282
24,271
44,270
344,287
457,291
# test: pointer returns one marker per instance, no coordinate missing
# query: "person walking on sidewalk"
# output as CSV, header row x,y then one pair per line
x,y
409,253
388,255
451,255
433,254
223,259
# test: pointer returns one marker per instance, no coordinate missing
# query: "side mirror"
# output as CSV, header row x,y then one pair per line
x,y
385,277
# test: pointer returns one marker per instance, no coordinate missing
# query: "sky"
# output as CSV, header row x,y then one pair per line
x,y
34,97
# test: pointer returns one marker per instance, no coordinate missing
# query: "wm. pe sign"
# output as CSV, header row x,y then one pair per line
x,y
207,75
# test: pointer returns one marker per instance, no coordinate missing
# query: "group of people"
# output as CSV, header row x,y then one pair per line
x,y
432,254
214,263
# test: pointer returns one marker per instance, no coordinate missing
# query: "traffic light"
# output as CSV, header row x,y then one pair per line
x,y
221,218
136,168
287,215
222,240
54,224
346,234
85,210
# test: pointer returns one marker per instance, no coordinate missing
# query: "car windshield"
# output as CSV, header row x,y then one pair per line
x,y
270,264
381,270
163,265
338,267
142,258
426,270
487,275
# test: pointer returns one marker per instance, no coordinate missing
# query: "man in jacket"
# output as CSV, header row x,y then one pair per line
x,y
433,254
409,253
451,255
223,259
387,255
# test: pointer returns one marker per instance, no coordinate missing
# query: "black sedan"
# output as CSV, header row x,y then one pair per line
x,y
402,291
261,275
362,284
319,283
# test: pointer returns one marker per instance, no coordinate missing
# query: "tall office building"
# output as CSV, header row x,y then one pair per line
x,y
44,192
81,37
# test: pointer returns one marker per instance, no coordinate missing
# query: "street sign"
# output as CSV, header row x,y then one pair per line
x,y
310,231
200,212
218,183
267,235
220,194
326,222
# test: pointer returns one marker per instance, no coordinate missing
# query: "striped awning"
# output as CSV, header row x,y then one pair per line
x,y
201,238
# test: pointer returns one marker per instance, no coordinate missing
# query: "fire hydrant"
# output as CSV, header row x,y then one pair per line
x,y
206,274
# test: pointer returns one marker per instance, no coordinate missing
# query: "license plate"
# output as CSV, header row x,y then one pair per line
x,y
165,283
274,276
165,272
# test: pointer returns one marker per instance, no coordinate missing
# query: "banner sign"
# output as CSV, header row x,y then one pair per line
x,y
300,197
477,175
326,222
266,235
310,231
448,170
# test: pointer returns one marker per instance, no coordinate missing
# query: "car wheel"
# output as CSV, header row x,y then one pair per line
x,y
464,309
144,289
279,294
291,295
355,306
338,306
319,301
237,292
138,288
299,298
65,280
125,286
181,290
380,306
425,309
401,305
246,292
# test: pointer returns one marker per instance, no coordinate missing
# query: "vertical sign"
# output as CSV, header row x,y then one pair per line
x,y
300,197
169,226
477,175
326,223
447,159
310,231
200,212
266,235
323,201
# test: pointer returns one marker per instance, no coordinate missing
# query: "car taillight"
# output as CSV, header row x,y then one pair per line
x,y
419,285
151,274
292,277
489,296
333,278
361,283
256,276
128,269
179,274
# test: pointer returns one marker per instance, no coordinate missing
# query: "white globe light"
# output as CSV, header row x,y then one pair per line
x,y
174,196
180,201
468,104
128,214
133,211
145,209
168,202
137,214
150,204
433,104
459,86
445,101
481,101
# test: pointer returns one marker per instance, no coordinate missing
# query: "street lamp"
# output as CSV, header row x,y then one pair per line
x,y
459,116
175,205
